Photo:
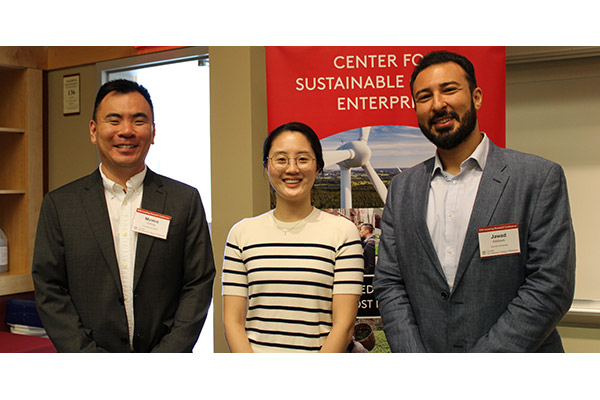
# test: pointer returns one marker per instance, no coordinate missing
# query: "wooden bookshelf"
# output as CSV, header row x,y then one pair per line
x,y
20,171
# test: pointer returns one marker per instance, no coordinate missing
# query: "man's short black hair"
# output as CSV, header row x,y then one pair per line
x,y
121,86
441,57
369,227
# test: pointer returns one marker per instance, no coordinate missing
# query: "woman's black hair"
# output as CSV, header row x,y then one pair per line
x,y
304,129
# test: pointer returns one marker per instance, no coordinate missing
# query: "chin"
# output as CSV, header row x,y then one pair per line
x,y
292,196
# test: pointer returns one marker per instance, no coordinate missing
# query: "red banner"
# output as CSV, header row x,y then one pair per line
x,y
335,89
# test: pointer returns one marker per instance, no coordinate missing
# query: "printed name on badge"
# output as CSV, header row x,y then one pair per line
x,y
151,223
499,240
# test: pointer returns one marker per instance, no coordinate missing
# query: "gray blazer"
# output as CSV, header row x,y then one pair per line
x,y
76,276
507,303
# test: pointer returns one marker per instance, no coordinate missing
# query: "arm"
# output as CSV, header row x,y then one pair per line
x,y
344,309
547,292
49,272
401,329
198,277
347,287
234,320
235,294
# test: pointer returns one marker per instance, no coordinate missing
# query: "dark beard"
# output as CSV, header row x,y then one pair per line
x,y
446,140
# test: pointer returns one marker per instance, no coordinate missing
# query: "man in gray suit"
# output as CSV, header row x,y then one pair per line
x,y
123,259
477,252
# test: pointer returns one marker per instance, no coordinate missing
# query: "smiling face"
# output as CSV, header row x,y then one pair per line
x,y
291,183
123,131
446,108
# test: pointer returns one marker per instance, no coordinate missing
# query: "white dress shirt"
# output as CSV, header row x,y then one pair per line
x,y
449,207
121,210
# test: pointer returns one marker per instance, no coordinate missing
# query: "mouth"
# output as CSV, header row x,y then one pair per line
x,y
292,182
125,146
443,123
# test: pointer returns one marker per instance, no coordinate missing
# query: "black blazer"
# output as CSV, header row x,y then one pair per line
x,y
76,276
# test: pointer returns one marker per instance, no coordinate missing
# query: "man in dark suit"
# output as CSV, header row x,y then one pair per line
x,y
123,259
367,237
477,251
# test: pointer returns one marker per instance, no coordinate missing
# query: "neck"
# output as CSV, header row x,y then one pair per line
x,y
451,159
289,212
120,176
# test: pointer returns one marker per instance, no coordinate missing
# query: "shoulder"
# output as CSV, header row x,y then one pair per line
x,y
252,223
515,157
251,230
168,183
523,164
414,176
337,227
338,221
180,196
73,187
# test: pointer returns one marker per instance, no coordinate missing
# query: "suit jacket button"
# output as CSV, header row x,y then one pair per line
x,y
445,295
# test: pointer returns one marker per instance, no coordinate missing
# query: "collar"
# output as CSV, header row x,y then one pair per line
x,y
477,158
133,184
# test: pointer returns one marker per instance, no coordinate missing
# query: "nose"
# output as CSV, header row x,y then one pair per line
x,y
292,166
127,129
438,102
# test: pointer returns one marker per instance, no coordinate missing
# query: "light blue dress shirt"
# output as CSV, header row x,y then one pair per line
x,y
450,202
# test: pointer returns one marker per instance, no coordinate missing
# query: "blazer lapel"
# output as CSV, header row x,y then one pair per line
x,y
420,207
153,199
94,200
492,184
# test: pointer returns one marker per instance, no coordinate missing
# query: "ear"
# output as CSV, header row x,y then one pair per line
x,y
153,132
477,98
93,131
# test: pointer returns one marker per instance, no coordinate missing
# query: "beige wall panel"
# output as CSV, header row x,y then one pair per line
x,y
71,154
580,340
238,127
551,111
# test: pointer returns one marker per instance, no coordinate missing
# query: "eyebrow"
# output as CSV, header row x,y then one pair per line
x,y
446,84
113,115
285,152
117,115
442,85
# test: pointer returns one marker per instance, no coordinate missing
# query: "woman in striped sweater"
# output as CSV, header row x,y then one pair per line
x,y
292,277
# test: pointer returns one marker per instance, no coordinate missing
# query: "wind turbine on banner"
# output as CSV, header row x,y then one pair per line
x,y
353,155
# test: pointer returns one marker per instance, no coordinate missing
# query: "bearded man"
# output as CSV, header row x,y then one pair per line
x,y
477,252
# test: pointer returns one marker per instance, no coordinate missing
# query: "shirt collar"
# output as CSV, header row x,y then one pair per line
x,y
134,183
479,156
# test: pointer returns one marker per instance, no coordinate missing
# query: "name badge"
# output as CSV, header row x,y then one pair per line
x,y
498,240
151,223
